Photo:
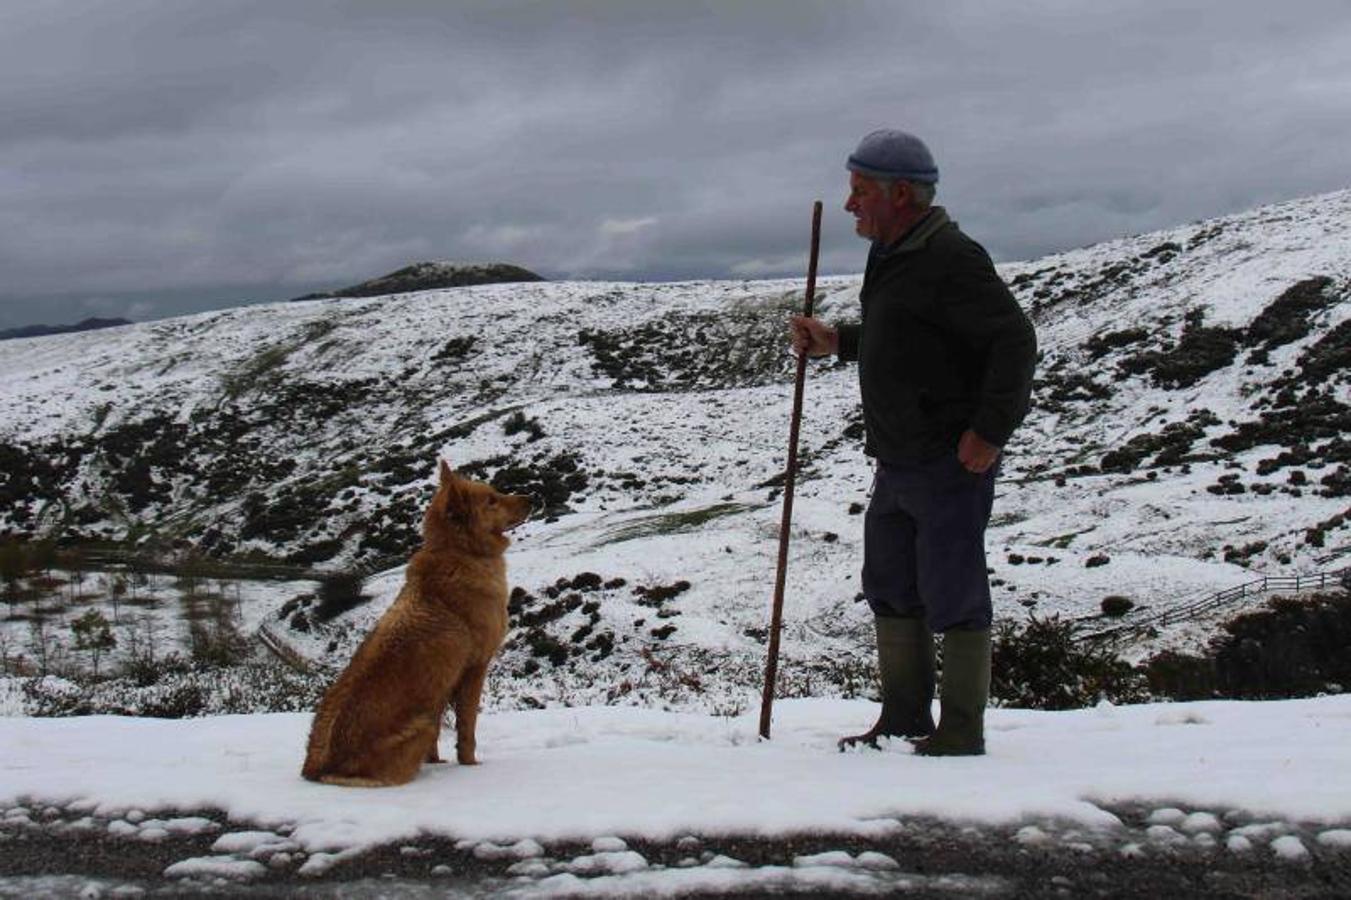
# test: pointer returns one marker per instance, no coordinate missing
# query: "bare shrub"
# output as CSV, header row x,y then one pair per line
x,y
94,635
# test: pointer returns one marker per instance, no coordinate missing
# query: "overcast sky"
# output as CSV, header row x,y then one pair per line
x,y
166,156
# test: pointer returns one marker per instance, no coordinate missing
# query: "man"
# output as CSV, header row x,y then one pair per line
x,y
945,359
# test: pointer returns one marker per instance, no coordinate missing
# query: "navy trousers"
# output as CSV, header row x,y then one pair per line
x,y
924,544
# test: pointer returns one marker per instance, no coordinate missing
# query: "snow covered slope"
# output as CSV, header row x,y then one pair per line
x,y
1189,432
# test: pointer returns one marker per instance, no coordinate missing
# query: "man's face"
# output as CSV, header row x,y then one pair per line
x,y
876,209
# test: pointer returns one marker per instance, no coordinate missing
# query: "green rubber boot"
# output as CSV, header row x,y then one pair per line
x,y
966,689
905,665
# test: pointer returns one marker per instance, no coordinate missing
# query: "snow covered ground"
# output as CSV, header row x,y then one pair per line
x,y
1260,779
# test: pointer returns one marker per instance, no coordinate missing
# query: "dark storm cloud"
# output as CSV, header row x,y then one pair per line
x,y
160,157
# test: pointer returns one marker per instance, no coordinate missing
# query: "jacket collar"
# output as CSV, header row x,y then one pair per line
x,y
918,235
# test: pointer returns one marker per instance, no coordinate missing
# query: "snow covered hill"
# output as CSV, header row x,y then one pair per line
x,y
1189,431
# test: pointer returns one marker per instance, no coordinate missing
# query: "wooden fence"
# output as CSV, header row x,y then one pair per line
x,y
282,649
1194,609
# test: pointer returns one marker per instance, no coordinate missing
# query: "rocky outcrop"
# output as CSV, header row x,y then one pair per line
x,y
431,276
43,330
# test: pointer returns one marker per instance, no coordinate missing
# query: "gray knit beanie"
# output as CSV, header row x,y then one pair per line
x,y
891,155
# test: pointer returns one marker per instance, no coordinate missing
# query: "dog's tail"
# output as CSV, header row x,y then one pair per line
x,y
353,781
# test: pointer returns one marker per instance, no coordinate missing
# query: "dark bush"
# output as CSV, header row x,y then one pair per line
x,y
656,595
1165,251
317,552
545,645
550,612
179,690
701,350
181,701
53,698
1040,665
1199,352
144,670
548,482
517,422
1181,676
1117,605
1242,554
1330,356
587,581
1286,318
1099,346
603,644
1171,446
455,349
339,592
1291,648
520,598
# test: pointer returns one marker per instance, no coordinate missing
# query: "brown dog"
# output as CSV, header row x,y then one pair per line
x,y
381,719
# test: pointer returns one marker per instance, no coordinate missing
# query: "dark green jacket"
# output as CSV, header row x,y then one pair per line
x,y
942,346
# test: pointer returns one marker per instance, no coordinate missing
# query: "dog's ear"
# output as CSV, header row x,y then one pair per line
x,y
453,490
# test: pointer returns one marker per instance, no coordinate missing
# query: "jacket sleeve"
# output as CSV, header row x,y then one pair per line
x,y
848,351
979,307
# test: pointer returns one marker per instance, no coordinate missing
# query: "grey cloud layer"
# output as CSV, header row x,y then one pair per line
x,y
171,153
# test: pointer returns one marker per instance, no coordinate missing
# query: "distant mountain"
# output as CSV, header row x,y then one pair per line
x,y
90,324
432,276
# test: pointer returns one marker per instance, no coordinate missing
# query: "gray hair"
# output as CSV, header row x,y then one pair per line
x,y
922,192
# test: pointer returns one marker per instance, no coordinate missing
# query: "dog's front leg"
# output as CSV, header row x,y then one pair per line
x,y
434,749
467,699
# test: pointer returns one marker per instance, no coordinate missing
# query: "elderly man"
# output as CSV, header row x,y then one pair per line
x,y
945,358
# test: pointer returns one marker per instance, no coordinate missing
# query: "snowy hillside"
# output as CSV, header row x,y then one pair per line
x,y
1189,433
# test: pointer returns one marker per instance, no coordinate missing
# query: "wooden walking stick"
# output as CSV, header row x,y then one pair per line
x,y
776,617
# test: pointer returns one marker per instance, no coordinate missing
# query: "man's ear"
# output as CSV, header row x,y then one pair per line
x,y
900,194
